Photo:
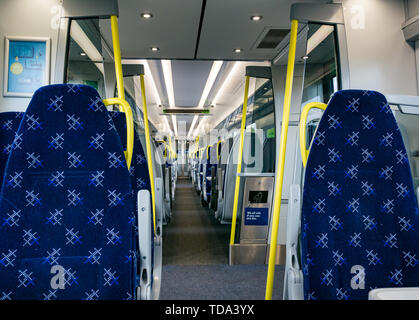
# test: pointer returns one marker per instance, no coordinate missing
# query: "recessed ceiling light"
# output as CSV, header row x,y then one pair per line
x,y
256,18
146,15
237,50
82,53
304,57
154,49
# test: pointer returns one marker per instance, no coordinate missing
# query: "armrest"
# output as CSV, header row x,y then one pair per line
x,y
160,208
144,243
394,294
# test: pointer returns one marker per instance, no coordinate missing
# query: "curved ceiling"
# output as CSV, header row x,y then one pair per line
x,y
192,34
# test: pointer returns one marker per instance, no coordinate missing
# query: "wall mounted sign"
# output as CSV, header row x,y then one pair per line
x,y
26,65
256,216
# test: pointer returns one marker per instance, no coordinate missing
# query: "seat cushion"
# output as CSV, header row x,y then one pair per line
x,y
66,215
359,213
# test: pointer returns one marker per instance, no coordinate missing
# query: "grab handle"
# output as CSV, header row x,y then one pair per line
x,y
124,107
303,127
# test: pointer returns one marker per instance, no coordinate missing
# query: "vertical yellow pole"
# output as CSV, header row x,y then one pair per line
x,y
148,148
281,161
239,163
117,57
120,87
196,143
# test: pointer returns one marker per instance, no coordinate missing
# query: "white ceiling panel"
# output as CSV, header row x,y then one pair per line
x,y
189,78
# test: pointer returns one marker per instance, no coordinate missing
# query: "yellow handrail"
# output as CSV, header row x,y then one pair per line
x,y
124,106
218,151
120,101
165,150
196,144
117,57
281,161
148,148
303,120
208,150
239,163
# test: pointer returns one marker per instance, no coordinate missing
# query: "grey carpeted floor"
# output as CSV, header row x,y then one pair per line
x,y
195,257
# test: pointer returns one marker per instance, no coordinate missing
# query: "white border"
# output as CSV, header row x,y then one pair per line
x,y
47,41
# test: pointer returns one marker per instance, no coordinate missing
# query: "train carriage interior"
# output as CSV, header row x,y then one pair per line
x,y
209,150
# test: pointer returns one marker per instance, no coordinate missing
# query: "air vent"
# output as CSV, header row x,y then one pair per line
x,y
272,38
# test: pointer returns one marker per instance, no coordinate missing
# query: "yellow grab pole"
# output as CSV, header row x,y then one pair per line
x,y
303,120
117,57
148,148
196,143
123,104
281,161
239,164
124,107
218,147
170,148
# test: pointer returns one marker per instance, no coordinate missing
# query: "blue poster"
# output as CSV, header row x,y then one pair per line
x,y
27,66
256,216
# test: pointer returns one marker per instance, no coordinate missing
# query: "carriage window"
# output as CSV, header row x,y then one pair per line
x,y
321,77
84,57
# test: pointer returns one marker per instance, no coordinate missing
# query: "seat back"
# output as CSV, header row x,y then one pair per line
x,y
207,168
359,214
66,212
9,124
140,178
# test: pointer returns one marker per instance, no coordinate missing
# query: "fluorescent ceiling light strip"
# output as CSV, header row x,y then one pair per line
x,y
192,125
78,35
174,124
216,66
226,81
215,69
168,81
147,71
318,37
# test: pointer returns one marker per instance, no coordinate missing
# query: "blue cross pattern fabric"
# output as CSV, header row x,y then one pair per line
x,y
9,124
359,216
138,170
66,208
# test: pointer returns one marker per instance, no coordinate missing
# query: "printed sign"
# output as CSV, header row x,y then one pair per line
x,y
26,66
256,216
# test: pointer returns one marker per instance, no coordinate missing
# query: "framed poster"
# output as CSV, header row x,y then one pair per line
x,y
26,65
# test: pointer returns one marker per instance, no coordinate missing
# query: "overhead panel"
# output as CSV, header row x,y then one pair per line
x,y
173,28
189,80
227,26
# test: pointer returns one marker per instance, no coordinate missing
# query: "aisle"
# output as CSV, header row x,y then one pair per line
x,y
193,236
195,257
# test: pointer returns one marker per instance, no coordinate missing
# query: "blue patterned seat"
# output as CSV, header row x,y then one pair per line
x,y
66,213
140,178
207,168
9,124
359,213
